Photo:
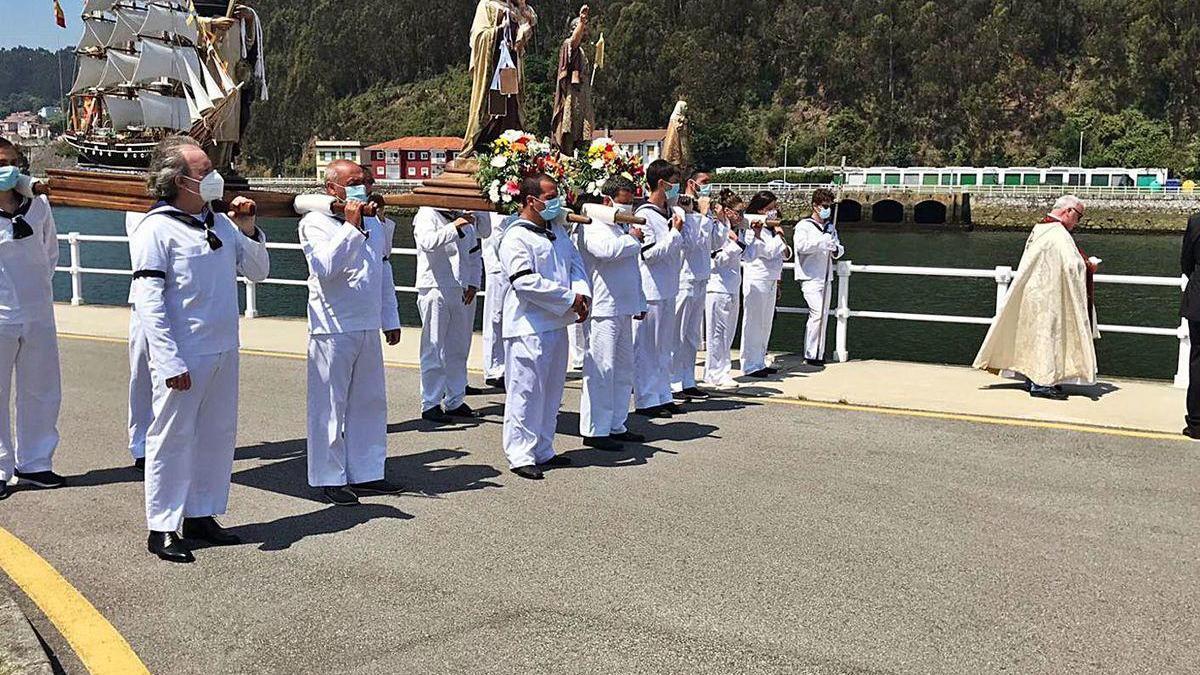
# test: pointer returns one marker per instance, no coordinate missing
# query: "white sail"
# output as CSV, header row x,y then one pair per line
x,y
123,112
192,67
162,21
119,69
90,6
193,111
227,82
91,71
96,33
158,61
129,22
212,86
165,112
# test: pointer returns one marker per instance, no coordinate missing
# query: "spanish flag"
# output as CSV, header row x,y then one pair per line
x,y
59,17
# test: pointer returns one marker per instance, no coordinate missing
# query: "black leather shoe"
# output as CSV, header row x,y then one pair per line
x,y
377,487
603,443
169,547
463,410
760,374
4,490
207,529
557,460
628,437
815,363
1049,393
435,414
696,392
472,391
1190,432
771,371
656,411
674,409
681,395
140,464
340,496
495,383
530,472
42,479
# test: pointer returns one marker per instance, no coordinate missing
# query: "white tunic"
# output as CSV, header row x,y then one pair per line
x,y
771,251
544,275
727,262
350,284
186,291
610,256
698,242
447,257
661,255
812,259
27,264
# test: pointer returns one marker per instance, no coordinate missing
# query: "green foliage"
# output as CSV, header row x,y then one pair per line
x,y
29,78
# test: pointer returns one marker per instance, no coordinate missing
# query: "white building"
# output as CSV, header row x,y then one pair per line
x,y
328,151
646,143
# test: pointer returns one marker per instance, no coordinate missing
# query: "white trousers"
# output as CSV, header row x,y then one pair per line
x,y
607,376
141,388
689,316
347,409
577,340
653,338
30,352
758,315
445,344
493,326
189,448
721,317
816,296
535,369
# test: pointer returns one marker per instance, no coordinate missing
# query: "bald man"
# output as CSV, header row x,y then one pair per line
x,y
351,301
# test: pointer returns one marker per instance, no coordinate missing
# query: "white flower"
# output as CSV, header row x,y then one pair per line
x,y
512,135
499,161
627,175
598,163
593,188
507,198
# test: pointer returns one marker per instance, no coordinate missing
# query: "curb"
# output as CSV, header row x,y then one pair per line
x,y
21,652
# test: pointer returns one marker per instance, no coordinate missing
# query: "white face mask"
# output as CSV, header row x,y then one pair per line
x,y
622,208
212,186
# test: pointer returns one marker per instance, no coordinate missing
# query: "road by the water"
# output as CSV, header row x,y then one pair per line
x,y
745,537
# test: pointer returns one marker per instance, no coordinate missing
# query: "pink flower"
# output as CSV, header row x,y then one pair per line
x,y
512,188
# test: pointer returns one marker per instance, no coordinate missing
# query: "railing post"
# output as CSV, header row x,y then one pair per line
x,y
1183,364
251,299
76,265
1004,277
843,311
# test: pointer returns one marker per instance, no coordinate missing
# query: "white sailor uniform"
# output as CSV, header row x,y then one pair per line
x,y
185,294
816,246
654,337
722,303
760,281
698,243
493,297
141,387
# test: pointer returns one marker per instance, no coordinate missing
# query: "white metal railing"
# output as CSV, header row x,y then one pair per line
x,y
841,312
1082,191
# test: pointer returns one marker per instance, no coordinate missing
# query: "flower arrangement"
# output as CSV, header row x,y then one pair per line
x,y
604,159
511,157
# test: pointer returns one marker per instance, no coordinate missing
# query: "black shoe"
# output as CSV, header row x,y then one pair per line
x,y
557,460
530,472
1049,393
495,383
4,491
463,410
1190,432
140,464
656,411
377,487
815,363
674,409
435,414
42,479
603,443
760,374
169,547
340,495
472,391
628,437
207,529
696,392
681,396
771,371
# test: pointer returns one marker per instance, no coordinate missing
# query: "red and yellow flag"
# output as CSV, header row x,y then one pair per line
x,y
59,17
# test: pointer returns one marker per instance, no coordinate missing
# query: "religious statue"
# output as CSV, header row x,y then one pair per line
x,y
574,118
499,33
238,55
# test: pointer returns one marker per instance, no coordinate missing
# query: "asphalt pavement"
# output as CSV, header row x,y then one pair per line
x,y
744,537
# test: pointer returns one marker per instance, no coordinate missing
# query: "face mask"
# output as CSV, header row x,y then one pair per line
x,y
552,210
673,193
704,190
825,212
9,175
622,208
773,214
358,192
212,186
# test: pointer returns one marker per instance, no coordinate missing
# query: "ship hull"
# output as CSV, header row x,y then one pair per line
x,y
127,156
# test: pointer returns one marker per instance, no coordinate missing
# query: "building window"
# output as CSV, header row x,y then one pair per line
x,y
393,156
412,170
412,155
378,154
439,156
379,171
424,155
425,171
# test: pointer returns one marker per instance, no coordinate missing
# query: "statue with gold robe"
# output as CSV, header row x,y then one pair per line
x,y
237,55
499,33
574,118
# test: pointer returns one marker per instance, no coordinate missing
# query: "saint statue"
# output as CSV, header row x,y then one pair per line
x,y
574,118
238,55
499,33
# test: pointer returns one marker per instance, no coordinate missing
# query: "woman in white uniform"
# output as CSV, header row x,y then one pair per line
x,y
760,282
723,298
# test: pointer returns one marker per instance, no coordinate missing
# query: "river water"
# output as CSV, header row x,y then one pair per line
x,y
1119,355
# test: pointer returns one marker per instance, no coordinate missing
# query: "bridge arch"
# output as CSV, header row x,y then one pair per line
x,y
887,211
929,212
849,211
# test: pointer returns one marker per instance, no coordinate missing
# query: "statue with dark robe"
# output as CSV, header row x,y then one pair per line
x,y
499,33
574,118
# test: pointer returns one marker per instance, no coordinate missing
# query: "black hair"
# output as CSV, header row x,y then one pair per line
x,y
822,195
728,198
761,200
658,171
616,184
531,186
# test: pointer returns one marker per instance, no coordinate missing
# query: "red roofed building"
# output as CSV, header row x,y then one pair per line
x,y
413,157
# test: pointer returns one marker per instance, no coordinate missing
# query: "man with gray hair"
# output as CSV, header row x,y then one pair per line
x,y
1044,332
186,259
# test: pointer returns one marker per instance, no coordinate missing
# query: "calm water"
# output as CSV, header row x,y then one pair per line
x,y
1124,355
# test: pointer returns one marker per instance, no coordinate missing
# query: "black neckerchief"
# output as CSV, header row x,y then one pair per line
x,y
214,242
823,228
20,226
546,232
651,205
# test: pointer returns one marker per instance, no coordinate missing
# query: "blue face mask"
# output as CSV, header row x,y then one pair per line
x,y
703,190
358,192
553,209
673,193
9,175
825,212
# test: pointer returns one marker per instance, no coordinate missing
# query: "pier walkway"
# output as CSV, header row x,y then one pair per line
x,y
871,518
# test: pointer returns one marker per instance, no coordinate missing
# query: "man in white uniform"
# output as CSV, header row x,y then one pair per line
x,y
493,302
723,301
699,243
186,259
351,301
654,337
816,244
449,273
610,255
548,291
28,341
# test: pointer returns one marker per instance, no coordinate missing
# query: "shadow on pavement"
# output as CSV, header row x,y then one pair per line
x,y
281,534
96,477
1094,392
